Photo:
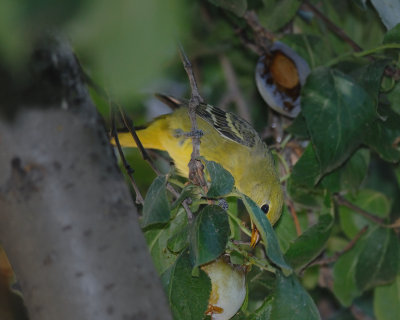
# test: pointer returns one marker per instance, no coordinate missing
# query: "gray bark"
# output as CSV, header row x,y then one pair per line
x,y
67,220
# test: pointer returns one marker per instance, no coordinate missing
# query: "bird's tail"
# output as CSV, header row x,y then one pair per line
x,y
150,136
153,135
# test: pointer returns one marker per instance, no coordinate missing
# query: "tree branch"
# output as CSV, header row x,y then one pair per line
x,y
68,223
128,168
337,255
263,37
340,200
338,31
196,174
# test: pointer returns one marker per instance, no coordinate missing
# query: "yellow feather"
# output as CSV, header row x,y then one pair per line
x,y
252,167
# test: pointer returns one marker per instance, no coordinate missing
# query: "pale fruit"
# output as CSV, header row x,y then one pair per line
x,y
228,289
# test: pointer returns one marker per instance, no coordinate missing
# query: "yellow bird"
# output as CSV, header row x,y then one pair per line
x,y
228,140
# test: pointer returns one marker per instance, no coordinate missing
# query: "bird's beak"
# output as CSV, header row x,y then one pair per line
x,y
255,235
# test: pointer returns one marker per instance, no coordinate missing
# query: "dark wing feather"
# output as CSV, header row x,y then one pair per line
x,y
228,125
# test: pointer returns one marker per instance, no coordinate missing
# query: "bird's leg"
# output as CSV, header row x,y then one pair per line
x,y
255,235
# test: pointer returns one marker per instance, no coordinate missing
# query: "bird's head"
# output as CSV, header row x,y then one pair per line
x,y
269,197
261,183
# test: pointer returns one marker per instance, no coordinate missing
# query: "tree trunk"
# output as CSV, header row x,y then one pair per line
x,y
67,220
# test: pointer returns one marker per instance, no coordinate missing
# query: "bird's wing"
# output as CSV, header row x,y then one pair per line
x,y
228,125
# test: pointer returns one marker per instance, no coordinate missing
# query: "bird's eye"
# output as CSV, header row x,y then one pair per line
x,y
265,208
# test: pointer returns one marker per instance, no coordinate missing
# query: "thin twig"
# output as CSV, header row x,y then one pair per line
x,y
295,218
337,255
358,313
389,70
233,88
247,42
185,204
263,37
196,174
128,168
129,125
340,200
333,27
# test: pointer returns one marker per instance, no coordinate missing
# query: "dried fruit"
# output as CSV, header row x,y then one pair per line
x,y
280,74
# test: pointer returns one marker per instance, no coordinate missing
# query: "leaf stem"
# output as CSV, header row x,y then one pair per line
x,y
239,223
282,160
295,218
176,183
377,49
285,141
364,53
260,263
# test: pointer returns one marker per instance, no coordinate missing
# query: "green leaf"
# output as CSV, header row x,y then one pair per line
x,y
310,47
267,233
369,76
299,127
336,110
178,241
238,7
236,233
394,98
344,283
310,277
277,13
188,295
209,235
379,262
263,312
291,301
310,244
189,191
306,171
369,200
306,196
157,238
261,283
393,35
387,300
374,260
382,134
156,207
350,175
222,181
285,228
